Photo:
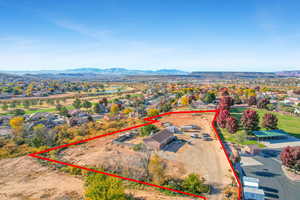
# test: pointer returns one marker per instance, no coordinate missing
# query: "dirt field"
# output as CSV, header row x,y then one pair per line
x,y
205,158
24,178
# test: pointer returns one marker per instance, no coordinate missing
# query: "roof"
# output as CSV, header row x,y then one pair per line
x,y
250,179
253,190
250,182
269,133
162,135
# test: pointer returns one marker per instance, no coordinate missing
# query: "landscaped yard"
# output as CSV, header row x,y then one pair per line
x,y
288,123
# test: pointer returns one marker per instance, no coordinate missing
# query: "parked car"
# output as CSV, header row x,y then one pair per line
x,y
195,136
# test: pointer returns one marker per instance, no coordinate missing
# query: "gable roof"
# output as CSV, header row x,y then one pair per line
x,y
162,135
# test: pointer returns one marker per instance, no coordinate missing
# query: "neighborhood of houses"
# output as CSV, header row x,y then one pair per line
x,y
190,139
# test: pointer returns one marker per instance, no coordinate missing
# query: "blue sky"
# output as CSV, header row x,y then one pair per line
x,y
202,35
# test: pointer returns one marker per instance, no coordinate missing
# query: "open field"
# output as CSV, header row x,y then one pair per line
x,y
24,178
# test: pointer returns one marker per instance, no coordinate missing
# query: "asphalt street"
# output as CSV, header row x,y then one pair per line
x,y
272,179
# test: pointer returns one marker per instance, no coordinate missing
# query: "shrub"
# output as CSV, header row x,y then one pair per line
x,y
209,97
156,169
194,184
103,187
152,112
147,130
138,147
18,112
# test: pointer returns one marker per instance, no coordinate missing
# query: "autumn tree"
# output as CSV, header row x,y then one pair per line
x,y
184,100
250,120
39,137
224,91
252,101
103,101
290,157
17,125
225,103
269,121
232,124
114,108
156,169
222,117
152,112
127,111
262,103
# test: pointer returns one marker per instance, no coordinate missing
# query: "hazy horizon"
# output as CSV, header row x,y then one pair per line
x,y
189,36
155,69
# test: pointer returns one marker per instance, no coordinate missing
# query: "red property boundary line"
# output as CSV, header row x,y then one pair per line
x,y
151,120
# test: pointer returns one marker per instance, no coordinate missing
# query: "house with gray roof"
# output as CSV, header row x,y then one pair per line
x,y
159,140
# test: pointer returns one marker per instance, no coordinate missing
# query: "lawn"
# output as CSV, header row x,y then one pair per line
x,y
31,111
287,123
234,138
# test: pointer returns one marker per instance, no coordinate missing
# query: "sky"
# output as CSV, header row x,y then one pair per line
x,y
189,35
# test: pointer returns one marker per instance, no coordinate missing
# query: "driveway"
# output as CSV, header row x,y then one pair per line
x,y
272,179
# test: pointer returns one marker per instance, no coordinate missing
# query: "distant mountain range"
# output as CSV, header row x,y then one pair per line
x,y
289,73
110,71
124,71
127,71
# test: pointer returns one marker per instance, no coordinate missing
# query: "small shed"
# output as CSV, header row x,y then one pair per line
x,y
173,129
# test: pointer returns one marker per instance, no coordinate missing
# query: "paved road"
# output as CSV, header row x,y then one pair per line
x,y
272,179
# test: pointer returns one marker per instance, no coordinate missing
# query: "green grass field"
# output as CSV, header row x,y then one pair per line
x,y
287,123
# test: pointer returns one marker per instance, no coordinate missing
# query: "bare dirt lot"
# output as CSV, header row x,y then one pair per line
x,y
24,178
205,158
